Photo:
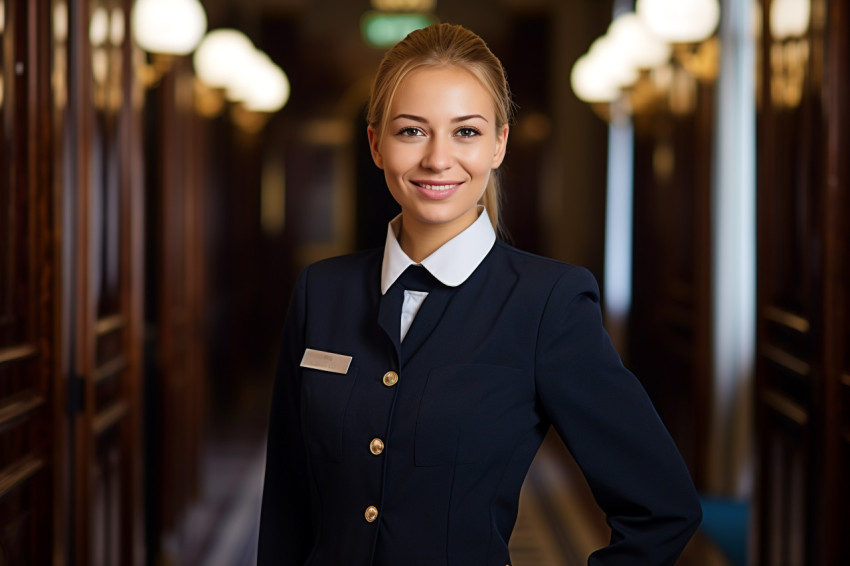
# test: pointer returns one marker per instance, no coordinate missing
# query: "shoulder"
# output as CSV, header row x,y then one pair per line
x,y
545,274
344,265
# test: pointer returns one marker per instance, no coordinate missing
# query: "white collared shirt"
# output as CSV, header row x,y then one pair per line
x,y
451,264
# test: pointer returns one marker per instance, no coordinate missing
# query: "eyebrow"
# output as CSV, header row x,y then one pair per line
x,y
424,121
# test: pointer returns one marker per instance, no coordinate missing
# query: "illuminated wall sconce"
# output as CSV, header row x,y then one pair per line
x,y
650,57
392,20
789,50
689,26
165,29
231,69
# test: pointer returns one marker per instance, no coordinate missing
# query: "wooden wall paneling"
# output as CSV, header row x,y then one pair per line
x,y
797,258
57,23
835,495
670,340
81,319
28,276
133,177
106,314
176,255
197,163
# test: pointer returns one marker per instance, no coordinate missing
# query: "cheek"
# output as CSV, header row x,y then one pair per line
x,y
480,159
399,159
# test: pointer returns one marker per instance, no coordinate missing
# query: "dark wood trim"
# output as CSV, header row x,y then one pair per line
x,y
110,368
835,495
803,339
786,318
110,324
786,407
18,407
110,417
80,80
16,475
18,353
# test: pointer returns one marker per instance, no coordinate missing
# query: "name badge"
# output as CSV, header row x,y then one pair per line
x,y
325,361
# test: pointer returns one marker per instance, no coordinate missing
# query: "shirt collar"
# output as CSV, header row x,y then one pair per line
x,y
452,263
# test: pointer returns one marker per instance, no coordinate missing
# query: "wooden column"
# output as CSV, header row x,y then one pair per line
x,y
802,388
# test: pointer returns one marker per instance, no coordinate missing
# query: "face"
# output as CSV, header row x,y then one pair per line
x,y
439,146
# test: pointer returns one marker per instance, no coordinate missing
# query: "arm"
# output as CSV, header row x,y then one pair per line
x,y
609,425
285,520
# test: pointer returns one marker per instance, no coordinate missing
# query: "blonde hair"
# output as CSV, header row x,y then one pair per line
x,y
444,45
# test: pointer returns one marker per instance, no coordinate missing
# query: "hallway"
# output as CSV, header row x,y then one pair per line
x,y
152,227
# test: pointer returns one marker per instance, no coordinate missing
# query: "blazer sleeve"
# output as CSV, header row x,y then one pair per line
x,y
608,423
285,523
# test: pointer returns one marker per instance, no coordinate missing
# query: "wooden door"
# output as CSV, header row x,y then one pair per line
x,y
670,337
802,386
29,406
175,312
103,241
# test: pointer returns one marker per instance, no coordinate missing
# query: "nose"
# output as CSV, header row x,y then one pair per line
x,y
438,156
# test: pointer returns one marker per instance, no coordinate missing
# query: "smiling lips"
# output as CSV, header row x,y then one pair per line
x,y
437,190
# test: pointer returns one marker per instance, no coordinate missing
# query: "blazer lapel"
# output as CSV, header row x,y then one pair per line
x,y
389,315
426,321
469,312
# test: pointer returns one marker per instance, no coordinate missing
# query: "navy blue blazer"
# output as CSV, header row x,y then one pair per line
x,y
484,371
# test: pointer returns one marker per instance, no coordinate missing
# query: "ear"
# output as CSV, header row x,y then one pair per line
x,y
501,146
374,146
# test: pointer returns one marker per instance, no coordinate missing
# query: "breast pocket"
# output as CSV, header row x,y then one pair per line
x,y
324,402
470,413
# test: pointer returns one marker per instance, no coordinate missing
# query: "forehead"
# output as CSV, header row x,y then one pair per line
x,y
448,88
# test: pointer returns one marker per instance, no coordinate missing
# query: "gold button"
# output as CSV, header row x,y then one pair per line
x,y
376,446
390,378
371,513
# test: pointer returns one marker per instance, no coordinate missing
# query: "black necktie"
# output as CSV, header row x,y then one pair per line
x,y
416,278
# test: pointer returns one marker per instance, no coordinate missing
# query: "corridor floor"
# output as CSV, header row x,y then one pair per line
x,y
557,524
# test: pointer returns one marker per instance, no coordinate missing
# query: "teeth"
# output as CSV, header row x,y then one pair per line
x,y
437,187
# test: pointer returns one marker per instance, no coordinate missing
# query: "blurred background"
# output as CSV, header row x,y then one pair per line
x,y
156,204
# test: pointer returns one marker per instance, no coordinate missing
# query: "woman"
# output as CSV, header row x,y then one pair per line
x,y
416,382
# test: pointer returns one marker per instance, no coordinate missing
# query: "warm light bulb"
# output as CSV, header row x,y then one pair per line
x,y
789,18
168,26
680,21
636,42
116,27
219,56
590,81
260,85
270,92
614,61
99,27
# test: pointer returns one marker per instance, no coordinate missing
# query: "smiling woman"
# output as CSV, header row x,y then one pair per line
x,y
437,152
461,352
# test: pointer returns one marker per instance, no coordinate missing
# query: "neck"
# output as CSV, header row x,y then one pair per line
x,y
421,239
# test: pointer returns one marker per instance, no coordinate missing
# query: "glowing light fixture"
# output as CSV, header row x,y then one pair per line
x,y
116,27
260,85
99,27
172,27
637,43
226,59
381,29
680,21
591,82
219,56
789,18
600,74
